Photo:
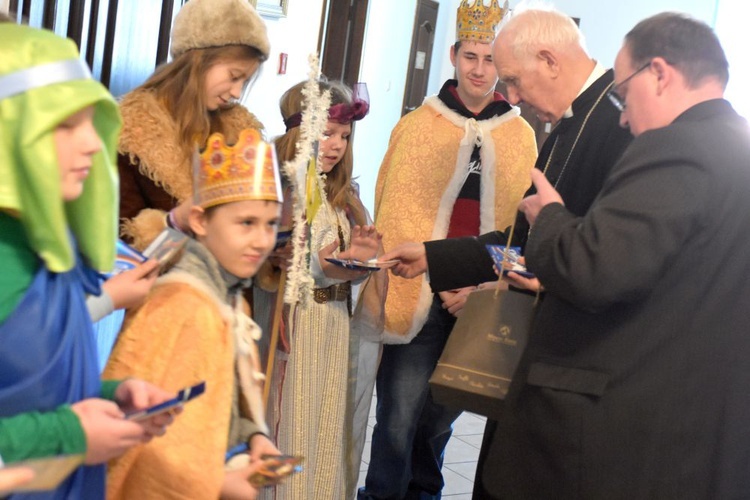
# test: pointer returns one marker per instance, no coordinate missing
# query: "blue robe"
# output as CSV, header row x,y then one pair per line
x,y
49,359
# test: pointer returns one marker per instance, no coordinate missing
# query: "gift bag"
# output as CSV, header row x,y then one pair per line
x,y
483,351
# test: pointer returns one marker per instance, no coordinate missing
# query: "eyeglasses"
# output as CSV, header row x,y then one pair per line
x,y
616,98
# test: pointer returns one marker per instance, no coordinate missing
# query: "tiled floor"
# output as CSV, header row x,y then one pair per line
x,y
460,455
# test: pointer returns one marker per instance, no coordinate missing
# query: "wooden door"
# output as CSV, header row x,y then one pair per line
x,y
342,34
423,38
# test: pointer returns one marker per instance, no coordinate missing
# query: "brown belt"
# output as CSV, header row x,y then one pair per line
x,y
338,292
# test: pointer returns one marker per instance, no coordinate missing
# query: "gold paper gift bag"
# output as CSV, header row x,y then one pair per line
x,y
483,351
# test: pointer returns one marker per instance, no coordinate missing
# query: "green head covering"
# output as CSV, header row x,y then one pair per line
x,y
42,83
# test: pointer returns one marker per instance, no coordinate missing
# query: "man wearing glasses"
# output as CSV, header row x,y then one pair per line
x,y
635,382
650,290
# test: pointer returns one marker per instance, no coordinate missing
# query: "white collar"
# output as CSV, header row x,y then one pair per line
x,y
596,73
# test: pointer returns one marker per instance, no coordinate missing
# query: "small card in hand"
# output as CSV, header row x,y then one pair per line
x,y
182,397
127,258
49,472
282,237
507,259
166,245
274,468
163,248
359,265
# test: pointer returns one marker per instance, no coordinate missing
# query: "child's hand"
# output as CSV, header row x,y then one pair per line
x,y
129,288
13,477
364,245
282,256
260,445
108,434
236,485
332,270
455,300
181,214
487,285
518,281
134,394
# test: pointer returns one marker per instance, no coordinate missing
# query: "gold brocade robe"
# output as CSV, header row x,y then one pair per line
x,y
180,336
420,178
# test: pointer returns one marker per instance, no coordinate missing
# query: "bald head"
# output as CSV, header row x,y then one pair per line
x,y
541,57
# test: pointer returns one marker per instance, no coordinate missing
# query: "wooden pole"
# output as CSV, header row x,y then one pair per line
x,y
275,331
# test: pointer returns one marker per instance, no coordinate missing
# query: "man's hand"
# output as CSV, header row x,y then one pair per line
x,y
412,257
518,281
545,195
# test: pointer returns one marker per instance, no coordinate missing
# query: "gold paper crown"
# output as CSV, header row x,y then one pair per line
x,y
248,170
477,23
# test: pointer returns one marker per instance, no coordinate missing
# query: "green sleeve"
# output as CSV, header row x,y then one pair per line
x,y
19,264
35,434
108,389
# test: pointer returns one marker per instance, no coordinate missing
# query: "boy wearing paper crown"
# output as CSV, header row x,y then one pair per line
x,y
58,222
456,166
192,328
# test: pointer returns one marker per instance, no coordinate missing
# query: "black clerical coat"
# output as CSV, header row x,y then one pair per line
x,y
636,381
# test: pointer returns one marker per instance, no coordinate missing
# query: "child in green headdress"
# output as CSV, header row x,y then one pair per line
x,y
58,224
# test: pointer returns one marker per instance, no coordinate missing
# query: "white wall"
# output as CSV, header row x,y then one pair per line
x,y
604,24
385,57
731,26
4,5
297,36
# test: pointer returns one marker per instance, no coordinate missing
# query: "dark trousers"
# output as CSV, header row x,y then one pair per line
x,y
411,430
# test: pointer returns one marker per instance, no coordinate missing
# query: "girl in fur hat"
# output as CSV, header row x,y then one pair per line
x,y
58,220
217,48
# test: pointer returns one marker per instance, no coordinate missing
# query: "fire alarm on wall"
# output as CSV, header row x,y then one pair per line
x,y
282,63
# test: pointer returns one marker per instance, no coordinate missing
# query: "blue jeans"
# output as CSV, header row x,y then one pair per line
x,y
411,430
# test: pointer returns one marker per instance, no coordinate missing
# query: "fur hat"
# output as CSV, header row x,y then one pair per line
x,y
214,23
